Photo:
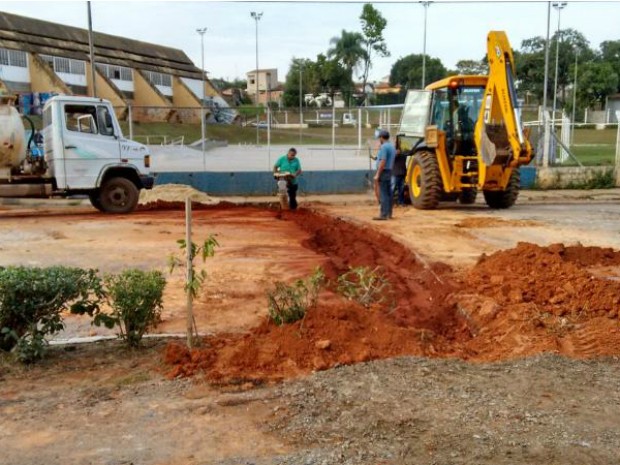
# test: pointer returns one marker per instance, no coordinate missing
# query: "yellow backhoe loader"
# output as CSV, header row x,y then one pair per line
x,y
465,135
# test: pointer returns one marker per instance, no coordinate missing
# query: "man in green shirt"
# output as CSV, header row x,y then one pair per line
x,y
289,163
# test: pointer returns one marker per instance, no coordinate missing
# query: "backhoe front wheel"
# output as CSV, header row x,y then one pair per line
x,y
118,195
425,187
505,198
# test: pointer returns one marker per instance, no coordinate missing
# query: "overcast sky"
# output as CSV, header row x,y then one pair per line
x,y
455,30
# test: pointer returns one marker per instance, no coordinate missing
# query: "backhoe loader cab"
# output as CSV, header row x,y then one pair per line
x,y
465,135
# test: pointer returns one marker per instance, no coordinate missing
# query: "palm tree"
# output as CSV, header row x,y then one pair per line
x,y
348,49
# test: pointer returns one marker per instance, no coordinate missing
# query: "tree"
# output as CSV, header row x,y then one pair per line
x,y
610,53
309,80
530,62
348,50
373,25
407,71
333,77
323,75
468,67
597,79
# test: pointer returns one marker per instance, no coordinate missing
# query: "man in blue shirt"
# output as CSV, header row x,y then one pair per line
x,y
289,163
383,176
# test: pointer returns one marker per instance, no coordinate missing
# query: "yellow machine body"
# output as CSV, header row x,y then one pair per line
x,y
466,130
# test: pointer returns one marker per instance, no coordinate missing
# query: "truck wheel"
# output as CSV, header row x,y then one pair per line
x,y
425,187
468,196
118,195
506,198
95,201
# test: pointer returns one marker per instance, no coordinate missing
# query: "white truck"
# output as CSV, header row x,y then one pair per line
x,y
83,153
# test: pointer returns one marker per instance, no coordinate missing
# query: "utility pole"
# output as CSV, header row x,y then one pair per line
x,y
203,129
257,17
426,5
91,48
558,6
546,135
572,133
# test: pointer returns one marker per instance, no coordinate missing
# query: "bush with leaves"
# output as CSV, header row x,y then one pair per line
x,y
135,299
365,285
289,303
206,250
32,300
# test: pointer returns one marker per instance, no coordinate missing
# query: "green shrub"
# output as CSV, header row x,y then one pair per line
x,y
32,300
290,303
135,297
364,285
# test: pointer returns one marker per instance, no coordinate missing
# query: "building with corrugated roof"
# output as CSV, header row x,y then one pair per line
x,y
40,58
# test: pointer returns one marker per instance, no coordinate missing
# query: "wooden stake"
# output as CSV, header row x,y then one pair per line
x,y
189,278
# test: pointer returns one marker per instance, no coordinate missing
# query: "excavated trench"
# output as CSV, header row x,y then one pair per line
x,y
514,303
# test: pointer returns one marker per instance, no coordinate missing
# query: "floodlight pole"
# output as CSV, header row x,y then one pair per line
x,y
546,135
91,48
257,17
203,96
572,133
426,5
301,111
558,6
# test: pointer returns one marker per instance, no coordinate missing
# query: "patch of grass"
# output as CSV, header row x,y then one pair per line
x,y
599,180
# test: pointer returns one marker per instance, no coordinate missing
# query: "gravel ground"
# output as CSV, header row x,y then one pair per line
x,y
546,409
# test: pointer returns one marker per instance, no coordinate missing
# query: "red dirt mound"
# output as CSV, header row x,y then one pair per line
x,y
532,299
513,303
333,334
420,289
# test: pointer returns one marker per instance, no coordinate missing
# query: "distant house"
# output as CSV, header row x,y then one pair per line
x,y
269,89
40,58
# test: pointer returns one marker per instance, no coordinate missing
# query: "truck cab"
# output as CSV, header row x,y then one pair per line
x,y
86,153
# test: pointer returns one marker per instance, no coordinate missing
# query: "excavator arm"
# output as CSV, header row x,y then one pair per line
x,y
500,141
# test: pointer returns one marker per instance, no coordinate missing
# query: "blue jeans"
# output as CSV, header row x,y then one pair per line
x,y
398,185
385,191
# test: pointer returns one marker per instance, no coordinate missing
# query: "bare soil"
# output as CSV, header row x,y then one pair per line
x,y
516,352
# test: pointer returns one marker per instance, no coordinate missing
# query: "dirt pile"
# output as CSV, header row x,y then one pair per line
x,y
170,193
513,303
534,299
331,335
419,319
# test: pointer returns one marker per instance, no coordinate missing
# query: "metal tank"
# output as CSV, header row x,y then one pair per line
x,y
12,135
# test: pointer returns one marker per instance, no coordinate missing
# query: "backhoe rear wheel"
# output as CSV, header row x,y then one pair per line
x,y
506,198
468,196
118,195
425,186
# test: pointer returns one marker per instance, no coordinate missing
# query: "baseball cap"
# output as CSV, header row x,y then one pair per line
x,y
382,133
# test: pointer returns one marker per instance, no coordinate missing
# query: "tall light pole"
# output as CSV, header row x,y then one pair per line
x,y
558,6
257,17
426,5
301,111
91,48
203,131
546,135
572,133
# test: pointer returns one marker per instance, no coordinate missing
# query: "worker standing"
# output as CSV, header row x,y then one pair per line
x,y
398,177
289,163
383,176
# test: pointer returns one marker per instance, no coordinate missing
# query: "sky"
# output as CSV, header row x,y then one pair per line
x,y
455,30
